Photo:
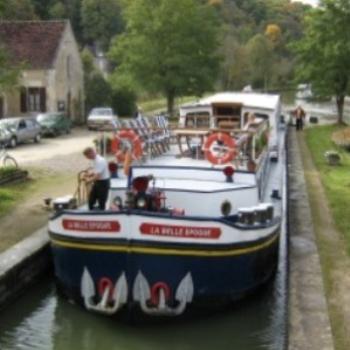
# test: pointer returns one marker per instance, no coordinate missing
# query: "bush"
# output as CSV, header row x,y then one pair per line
x,y
124,101
7,171
98,92
342,138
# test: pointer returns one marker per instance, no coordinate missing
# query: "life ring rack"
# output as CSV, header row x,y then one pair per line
x,y
133,138
229,143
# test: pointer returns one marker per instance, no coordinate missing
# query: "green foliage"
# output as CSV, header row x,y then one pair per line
x,y
261,59
7,198
17,10
323,53
168,47
97,91
58,10
124,101
8,170
88,62
100,20
245,22
42,7
8,73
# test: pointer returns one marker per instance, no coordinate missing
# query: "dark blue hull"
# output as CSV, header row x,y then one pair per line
x,y
227,275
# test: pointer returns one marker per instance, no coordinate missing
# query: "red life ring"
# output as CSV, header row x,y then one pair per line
x,y
136,152
227,140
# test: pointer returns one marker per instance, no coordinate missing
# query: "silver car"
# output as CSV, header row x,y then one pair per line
x,y
5,137
22,129
102,118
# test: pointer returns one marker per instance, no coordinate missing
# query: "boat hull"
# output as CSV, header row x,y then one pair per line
x,y
158,278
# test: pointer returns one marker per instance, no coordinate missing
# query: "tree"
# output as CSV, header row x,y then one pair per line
x,y
8,72
323,54
58,10
42,7
97,90
169,47
274,33
18,10
101,20
261,59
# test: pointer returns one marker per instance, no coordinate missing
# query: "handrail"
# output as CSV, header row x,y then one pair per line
x,y
83,188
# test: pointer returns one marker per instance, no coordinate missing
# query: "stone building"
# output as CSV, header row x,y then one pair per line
x,y
51,72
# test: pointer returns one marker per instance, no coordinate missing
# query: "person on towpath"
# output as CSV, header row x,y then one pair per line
x,y
300,116
100,177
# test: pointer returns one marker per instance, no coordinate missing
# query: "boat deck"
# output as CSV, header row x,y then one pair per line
x,y
186,185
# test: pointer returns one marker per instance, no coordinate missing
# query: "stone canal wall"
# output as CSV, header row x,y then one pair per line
x,y
309,325
22,265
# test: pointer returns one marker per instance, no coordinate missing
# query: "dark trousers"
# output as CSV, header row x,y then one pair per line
x,y
300,123
99,193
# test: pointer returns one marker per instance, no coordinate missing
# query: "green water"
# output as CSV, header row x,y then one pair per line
x,y
41,320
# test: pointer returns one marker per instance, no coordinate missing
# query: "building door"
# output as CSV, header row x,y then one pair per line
x,y
1,107
69,107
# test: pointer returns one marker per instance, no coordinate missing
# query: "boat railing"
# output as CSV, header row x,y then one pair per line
x,y
83,188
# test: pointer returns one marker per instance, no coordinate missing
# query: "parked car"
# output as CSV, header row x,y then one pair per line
x,y
102,118
22,129
5,137
54,123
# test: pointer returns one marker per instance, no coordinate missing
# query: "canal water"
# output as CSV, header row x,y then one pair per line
x,y
42,320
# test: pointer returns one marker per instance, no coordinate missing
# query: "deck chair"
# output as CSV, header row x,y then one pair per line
x,y
155,135
149,144
152,147
162,125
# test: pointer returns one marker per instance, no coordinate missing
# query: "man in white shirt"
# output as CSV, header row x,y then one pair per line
x,y
99,175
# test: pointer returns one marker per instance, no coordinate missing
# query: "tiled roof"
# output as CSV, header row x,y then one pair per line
x,y
32,42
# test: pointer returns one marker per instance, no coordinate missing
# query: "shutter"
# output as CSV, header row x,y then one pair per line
x,y
23,101
42,99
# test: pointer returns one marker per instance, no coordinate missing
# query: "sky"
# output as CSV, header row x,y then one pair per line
x,y
310,2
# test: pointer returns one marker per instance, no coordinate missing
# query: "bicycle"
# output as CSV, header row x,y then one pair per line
x,y
5,159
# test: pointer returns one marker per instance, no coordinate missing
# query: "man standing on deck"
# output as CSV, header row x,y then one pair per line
x,y
99,175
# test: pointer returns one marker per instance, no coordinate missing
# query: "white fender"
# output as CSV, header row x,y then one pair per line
x,y
87,287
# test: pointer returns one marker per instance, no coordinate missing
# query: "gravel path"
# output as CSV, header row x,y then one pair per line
x,y
60,154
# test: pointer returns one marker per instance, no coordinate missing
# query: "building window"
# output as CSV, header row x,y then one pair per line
x,y
68,67
33,99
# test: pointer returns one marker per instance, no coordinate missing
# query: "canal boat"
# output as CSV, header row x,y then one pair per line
x,y
195,226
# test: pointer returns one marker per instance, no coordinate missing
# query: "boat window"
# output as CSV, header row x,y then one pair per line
x,y
197,120
227,110
262,116
228,116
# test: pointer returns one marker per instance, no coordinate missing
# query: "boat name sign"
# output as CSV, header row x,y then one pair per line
x,y
180,231
91,225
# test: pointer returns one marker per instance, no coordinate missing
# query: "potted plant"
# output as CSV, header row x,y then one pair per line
x,y
332,157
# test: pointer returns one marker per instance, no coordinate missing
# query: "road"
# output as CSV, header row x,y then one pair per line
x,y
59,153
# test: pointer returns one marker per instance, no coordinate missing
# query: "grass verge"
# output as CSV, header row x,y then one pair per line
x,y
335,179
333,245
10,195
22,209
159,103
